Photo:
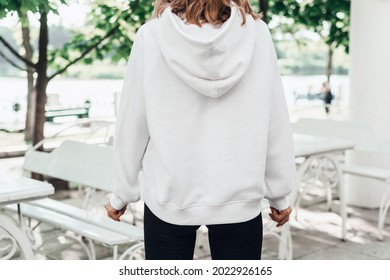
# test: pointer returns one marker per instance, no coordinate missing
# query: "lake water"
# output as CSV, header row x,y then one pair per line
x,y
69,93
102,94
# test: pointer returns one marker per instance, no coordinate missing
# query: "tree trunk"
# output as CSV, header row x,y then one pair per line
x,y
42,80
263,4
31,108
329,66
31,95
40,86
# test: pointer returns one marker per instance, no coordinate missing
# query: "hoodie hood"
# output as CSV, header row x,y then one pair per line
x,y
210,59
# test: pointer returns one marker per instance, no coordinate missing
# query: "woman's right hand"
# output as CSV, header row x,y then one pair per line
x,y
280,216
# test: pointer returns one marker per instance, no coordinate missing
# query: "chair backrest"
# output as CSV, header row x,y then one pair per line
x,y
78,162
334,129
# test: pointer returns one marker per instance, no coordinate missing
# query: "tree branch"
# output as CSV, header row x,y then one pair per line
x,y
88,50
11,62
15,53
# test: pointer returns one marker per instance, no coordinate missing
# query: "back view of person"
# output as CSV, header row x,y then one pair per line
x,y
327,96
203,116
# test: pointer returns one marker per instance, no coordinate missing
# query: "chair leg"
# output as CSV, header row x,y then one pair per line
x,y
343,208
92,250
115,252
285,244
130,252
385,204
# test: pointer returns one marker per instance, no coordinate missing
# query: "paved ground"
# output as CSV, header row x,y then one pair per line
x,y
316,233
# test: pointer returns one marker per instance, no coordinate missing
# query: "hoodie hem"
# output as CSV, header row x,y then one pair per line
x,y
204,214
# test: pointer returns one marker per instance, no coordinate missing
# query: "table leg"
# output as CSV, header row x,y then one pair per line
x,y
342,194
296,197
18,236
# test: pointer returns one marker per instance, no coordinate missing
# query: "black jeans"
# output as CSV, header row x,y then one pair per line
x,y
238,241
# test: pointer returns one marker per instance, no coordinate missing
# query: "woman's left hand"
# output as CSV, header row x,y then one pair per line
x,y
280,216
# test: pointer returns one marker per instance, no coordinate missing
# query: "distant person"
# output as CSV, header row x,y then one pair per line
x,y
327,96
204,116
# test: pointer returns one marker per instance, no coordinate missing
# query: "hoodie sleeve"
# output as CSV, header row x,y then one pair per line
x,y
280,161
131,132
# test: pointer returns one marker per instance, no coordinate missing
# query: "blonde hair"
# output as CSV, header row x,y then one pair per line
x,y
204,11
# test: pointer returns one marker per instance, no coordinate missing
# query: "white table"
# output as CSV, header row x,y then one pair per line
x,y
14,190
322,152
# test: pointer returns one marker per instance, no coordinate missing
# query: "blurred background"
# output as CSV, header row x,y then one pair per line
x,y
61,68
85,45
62,55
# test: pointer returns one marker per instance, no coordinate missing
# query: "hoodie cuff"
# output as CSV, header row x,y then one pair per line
x,y
280,204
116,202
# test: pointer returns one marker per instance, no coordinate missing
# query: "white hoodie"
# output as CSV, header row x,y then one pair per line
x,y
203,116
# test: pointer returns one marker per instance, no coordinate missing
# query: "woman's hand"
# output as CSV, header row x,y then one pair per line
x,y
280,217
113,213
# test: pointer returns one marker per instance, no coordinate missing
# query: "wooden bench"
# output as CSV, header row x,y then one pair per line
x,y
51,114
89,165
366,140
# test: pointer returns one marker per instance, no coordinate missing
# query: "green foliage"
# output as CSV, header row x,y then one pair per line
x,y
120,19
24,6
109,32
306,60
328,18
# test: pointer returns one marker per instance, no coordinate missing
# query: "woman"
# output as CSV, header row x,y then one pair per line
x,y
203,116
